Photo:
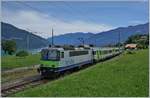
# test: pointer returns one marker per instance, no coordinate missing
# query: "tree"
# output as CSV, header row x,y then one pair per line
x,y
9,46
4,47
22,53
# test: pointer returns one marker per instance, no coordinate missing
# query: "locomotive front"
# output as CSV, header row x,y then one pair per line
x,y
49,61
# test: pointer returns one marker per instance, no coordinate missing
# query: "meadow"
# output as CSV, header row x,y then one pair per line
x,y
126,75
9,62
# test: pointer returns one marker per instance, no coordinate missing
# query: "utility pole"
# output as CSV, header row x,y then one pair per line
x,y
52,38
119,41
28,41
28,38
81,40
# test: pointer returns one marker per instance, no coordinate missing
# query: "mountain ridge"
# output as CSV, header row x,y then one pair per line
x,y
101,38
9,31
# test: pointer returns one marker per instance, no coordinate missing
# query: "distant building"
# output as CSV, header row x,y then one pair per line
x,y
131,46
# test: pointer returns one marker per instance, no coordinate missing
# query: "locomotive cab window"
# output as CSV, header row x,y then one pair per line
x,y
50,54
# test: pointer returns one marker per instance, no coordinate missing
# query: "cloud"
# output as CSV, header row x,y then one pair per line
x,y
135,22
43,23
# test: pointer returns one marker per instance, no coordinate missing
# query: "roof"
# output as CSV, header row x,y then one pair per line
x,y
130,45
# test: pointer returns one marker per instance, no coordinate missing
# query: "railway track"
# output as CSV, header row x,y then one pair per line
x,y
25,83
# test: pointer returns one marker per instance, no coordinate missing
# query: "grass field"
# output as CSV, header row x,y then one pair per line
x,y
126,75
8,62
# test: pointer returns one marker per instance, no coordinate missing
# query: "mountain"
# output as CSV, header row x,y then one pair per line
x,y
9,31
70,38
102,38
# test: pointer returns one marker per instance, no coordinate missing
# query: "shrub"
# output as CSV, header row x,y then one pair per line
x,y
22,53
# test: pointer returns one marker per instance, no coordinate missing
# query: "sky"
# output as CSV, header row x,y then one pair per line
x,y
64,17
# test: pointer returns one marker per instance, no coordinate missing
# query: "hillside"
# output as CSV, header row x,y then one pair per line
x,y
71,38
102,38
20,36
126,75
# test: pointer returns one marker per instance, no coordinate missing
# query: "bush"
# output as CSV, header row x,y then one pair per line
x,y
22,53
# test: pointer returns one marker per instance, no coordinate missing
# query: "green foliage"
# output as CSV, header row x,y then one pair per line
x,y
140,46
8,62
141,40
22,53
9,46
126,75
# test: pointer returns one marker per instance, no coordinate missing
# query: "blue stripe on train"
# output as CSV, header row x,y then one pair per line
x,y
73,66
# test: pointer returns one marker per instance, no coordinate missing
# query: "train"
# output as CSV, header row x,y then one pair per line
x,y
55,61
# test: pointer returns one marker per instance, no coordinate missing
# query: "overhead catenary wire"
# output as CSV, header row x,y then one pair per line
x,y
82,40
33,8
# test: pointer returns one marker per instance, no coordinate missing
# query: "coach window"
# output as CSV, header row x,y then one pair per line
x,y
77,53
62,54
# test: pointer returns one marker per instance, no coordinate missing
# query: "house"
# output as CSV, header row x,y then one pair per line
x,y
131,46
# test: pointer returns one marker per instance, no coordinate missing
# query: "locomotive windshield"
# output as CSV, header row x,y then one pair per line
x,y
49,54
